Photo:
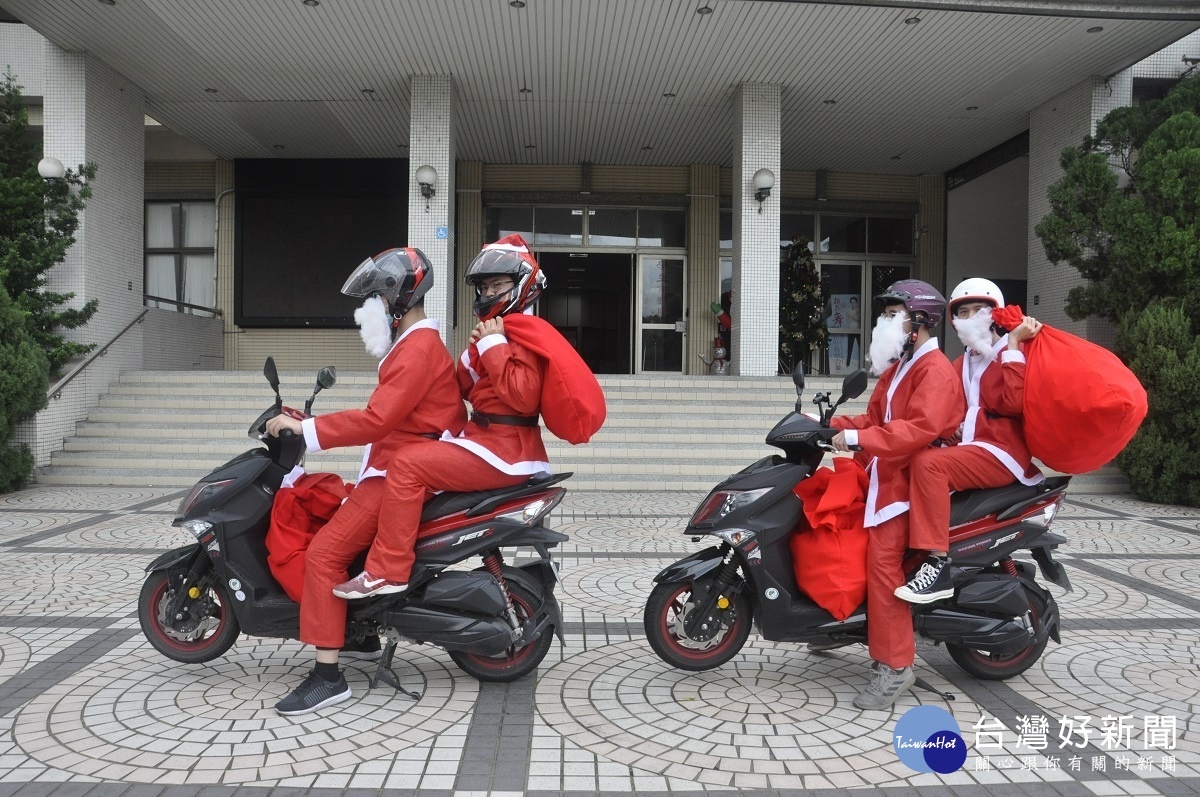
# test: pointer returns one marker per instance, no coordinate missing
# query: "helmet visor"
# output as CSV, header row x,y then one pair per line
x,y
378,274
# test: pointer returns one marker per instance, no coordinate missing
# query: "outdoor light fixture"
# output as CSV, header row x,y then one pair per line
x,y
704,10
764,181
1191,59
426,177
51,169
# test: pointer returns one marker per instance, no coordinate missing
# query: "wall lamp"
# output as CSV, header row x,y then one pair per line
x,y
426,177
764,181
1191,60
51,169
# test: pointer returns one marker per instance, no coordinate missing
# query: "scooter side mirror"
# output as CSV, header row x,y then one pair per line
x,y
798,381
271,374
326,377
854,385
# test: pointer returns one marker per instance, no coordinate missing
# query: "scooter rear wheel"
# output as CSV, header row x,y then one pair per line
x,y
994,667
210,636
667,608
514,663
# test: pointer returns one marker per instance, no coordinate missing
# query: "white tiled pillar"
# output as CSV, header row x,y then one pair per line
x,y
93,114
755,305
1063,122
430,229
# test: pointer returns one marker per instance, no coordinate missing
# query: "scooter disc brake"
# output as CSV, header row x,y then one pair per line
x,y
676,626
183,630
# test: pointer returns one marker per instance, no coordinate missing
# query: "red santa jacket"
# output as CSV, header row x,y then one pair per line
x,y
915,402
502,377
995,392
416,395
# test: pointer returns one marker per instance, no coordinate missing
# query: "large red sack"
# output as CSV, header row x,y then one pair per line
x,y
1082,404
298,513
829,550
573,406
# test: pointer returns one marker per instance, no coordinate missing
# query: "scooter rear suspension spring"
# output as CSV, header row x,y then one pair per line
x,y
1009,567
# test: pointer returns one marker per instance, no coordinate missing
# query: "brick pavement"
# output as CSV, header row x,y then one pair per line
x,y
87,707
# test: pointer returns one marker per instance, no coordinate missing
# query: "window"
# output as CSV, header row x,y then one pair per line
x,y
501,222
795,225
890,236
181,267
558,226
612,227
843,234
667,228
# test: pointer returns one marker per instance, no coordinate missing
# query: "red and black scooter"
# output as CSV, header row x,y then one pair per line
x,y
995,626
496,621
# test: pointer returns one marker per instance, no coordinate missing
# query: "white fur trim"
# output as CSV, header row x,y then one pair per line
x,y
428,323
1007,460
309,427
524,468
871,516
292,477
851,437
465,359
1012,356
485,343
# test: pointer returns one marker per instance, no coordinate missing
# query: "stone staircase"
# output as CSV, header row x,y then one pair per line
x,y
170,428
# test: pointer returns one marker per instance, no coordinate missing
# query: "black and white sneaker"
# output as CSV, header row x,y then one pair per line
x,y
313,694
933,581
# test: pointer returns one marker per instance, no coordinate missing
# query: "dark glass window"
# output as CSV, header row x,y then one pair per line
x,y
558,226
843,234
662,228
889,236
499,222
612,227
726,229
792,225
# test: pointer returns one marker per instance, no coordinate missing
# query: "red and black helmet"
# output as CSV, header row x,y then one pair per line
x,y
401,276
508,257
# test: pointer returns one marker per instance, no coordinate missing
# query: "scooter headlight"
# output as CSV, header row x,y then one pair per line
x,y
735,537
201,492
722,502
197,527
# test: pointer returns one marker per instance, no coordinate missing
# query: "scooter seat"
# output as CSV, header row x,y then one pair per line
x,y
478,503
975,504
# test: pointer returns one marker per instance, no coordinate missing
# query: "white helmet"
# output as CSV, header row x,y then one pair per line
x,y
976,289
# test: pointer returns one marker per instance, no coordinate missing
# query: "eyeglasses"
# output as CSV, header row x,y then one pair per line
x,y
493,287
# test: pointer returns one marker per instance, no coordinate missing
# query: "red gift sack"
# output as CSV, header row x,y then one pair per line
x,y
573,406
829,557
299,512
1082,404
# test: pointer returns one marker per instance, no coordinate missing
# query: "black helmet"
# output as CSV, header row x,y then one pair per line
x,y
401,276
508,257
919,299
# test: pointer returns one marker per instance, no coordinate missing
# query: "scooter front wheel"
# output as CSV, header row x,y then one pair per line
x,y
515,662
194,639
666,612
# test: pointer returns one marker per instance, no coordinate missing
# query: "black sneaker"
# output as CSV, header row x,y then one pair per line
x,y
313,694
931,582
368,649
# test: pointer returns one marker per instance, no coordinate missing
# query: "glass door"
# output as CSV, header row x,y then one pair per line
x,y
841,282
662,328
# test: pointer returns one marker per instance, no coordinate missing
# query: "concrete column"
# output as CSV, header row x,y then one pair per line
x,y
467,243
92,113
1060,123
704,241
755,310
226,216
430,223
931,221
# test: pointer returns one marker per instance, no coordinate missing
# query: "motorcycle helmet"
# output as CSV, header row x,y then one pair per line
x,y
509,257
924,303
401,276
976,289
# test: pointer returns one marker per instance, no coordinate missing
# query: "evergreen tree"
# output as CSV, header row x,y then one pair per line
x,y
36,229
1135,238
801,305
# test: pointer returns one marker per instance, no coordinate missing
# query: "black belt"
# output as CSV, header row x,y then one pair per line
x,y
431,435
483,421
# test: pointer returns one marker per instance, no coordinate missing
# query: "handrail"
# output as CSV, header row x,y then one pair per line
x,y
56,391
216,311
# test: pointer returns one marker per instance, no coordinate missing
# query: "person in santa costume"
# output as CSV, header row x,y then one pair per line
x,y
502,444
416,399
916,402
990,450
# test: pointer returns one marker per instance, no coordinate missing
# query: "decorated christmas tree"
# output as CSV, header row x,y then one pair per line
x,y
801,304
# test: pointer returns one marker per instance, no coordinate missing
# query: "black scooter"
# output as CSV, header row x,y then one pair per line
x,y
496,621
995,626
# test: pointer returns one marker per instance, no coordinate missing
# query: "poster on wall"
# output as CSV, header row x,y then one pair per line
x,y
844,314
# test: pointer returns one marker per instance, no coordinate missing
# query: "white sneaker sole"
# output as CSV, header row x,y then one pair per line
x,y
329,701
384,590
905,594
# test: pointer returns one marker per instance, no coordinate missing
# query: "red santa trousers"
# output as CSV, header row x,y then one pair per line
x,y
338,543
889,619
936,472
435,467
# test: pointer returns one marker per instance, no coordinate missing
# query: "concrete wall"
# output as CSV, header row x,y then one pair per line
x,y
23,51
986,225
181,342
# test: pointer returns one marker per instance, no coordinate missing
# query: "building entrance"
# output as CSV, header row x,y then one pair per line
x,y
589,300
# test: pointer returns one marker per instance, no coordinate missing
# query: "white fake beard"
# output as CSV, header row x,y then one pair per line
x,y
887,342
375,326
976,332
